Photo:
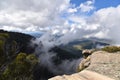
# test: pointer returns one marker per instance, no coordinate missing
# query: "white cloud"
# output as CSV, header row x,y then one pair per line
x,y
87,6
78,19
72,10
108,19
104,23
11,28
32,14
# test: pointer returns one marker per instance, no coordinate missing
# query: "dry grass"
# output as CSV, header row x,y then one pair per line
x,y
111,49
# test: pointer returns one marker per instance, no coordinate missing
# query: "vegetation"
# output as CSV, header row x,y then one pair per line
x,y
21,68
21,39
111,49
16,62
3,38
8,48
78,47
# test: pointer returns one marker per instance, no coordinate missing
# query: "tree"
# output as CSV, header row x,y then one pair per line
x,y
21,68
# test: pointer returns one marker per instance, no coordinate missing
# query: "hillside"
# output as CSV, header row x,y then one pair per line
x,y
16,60
12,43
15,52
76,47
21,39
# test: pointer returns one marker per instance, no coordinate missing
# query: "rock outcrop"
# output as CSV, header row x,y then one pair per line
x,y
103,66
83,75
106,64
85,61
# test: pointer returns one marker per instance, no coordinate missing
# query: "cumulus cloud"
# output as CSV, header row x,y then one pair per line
x,y
103,23
60,17
87,6
31,14
108,19
72,10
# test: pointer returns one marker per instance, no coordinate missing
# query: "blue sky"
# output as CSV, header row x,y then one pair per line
x,y
77,2
99,4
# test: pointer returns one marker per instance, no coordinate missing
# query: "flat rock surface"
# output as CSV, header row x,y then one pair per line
x,y
106,64
83,75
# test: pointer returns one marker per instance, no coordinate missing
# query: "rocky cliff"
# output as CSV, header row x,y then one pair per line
x,y
103,66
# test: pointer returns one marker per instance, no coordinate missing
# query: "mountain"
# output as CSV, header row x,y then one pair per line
x,y
63,54
35,34
15,56
22,40
16,51
76,47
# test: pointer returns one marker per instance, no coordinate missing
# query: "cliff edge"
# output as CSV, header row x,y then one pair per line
x,y
103,66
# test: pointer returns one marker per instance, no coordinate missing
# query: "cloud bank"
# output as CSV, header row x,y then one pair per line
x,y
61,17
31,15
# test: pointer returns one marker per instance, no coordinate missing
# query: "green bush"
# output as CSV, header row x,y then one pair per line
x,y
21,68
4,35
21,57
111,49
2,55
32,59
3,38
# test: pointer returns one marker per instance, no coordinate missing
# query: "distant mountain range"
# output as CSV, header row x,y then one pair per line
x,y
91,43
75,47
35,34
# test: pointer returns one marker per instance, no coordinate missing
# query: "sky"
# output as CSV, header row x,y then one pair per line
x,y
76,18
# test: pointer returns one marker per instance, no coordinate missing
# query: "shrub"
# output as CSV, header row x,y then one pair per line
x,y
111,49
21,68
4,35
21,57
2,55
32,59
